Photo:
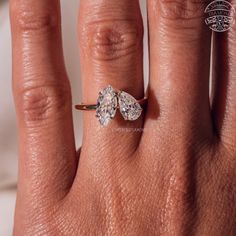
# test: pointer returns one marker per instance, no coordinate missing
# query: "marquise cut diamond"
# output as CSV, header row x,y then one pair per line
x,y
106,105
130,109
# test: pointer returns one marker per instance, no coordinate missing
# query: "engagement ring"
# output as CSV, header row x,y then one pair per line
x,y
109,101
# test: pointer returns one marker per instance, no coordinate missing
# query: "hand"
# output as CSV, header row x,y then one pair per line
x,y
178,176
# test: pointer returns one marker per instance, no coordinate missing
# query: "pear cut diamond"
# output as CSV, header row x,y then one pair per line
x,y
106,105
129,107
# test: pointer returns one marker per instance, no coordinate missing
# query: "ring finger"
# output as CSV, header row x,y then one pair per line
x,y
110,34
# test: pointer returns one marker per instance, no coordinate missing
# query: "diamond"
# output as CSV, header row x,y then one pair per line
x,y
130,109
106,105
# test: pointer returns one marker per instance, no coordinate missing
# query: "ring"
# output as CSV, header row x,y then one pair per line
x,y
109,100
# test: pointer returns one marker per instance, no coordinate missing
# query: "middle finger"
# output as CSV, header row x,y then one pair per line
x,y
180,61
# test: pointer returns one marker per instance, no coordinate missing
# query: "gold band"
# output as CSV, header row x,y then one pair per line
x,y
85,107
91,107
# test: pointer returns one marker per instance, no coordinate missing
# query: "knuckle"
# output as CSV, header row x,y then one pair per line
x,y
112,40
43,103
181,9
25,19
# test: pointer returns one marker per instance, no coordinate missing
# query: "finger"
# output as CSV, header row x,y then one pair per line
x,y
179,70
111,54
43,100
224,77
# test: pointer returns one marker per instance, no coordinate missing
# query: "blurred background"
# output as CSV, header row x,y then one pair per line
x,y
8,130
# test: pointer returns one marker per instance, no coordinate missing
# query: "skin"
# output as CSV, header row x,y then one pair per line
x,y
178,176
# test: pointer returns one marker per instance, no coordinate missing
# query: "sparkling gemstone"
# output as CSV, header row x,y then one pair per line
x,y
130,109
106,105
